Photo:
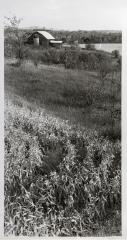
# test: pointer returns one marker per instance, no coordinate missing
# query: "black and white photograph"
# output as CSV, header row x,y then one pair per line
x,y
62,119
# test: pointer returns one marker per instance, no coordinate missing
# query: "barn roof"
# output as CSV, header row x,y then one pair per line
x,y
55,41
46,35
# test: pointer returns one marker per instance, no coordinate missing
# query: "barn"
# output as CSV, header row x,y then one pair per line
x,y
44,39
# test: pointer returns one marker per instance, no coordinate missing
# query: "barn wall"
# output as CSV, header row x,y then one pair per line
x,y
42,41
30,40
57,45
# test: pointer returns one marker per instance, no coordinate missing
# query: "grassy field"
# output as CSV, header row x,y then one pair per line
x,y
62,152
72,95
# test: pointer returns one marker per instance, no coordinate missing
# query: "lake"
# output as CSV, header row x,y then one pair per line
x,y
109,47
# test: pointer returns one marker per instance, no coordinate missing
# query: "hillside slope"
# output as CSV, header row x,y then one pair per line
x,y
60,180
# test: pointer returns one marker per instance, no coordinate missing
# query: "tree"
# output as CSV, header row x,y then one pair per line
x,y
115,54
104,66
119,63
14,37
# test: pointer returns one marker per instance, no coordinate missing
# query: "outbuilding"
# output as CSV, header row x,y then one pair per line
x,y
43,38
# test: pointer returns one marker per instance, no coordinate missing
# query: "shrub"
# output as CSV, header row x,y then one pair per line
x,y
54,56
115,54
104,66
71,59
90,46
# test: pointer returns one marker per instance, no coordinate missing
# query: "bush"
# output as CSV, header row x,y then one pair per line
x,y
104,65
90,46
115,54
71,58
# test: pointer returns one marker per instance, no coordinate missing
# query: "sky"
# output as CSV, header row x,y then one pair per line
x,y
68,14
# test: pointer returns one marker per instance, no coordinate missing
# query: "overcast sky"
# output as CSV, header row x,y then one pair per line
x,y
68,14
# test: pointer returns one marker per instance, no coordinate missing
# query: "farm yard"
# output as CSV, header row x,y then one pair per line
x,y
63,143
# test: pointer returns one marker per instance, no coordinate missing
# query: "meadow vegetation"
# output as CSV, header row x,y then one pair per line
x,y
62,142
76,95
62,158
60,180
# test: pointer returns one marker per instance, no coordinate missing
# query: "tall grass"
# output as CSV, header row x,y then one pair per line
x,y
60,180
